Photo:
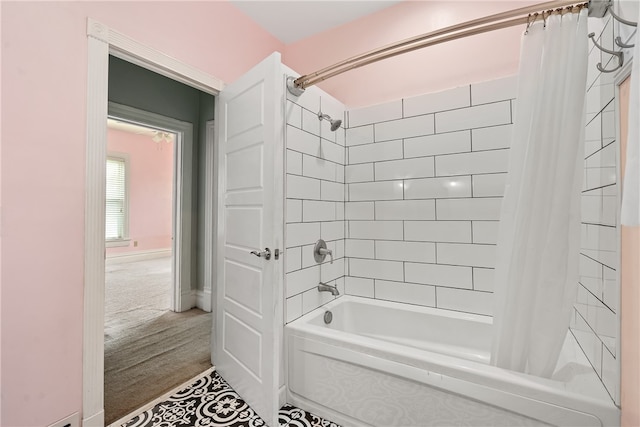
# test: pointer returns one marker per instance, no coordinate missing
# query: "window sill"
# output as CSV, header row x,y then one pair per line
x,y
117,243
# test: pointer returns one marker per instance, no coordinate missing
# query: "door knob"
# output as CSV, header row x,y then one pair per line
x,y
266,254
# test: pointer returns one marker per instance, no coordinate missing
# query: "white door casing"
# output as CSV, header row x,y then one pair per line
x,y
101,42
246,343
206,302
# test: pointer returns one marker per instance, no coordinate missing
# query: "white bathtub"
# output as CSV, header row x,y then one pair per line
x,y
388,364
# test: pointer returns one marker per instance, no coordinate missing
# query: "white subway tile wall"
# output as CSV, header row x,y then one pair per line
x,y
387,230
424,187
359,210
405,209
358,173
423,205
374,269
464,300
491,138
375,114
408,196
359,135
367,153
355,248
489,185
486,115
494,90
383,190
409,293
440,101
438,231
359,286
444,143
406,251
442,188
315,205
400,169
472,163
403,128
595,318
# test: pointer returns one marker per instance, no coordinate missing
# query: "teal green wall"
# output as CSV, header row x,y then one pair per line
x,y
138,87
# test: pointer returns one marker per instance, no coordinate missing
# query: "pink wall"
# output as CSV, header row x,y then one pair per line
x,y
150,190
630,327
44,63
630,292
475,59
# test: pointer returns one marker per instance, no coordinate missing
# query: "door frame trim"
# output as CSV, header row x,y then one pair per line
x,y
620,76
210,206
101,42
181,198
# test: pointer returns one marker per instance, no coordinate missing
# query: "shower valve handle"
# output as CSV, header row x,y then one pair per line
x,y
326,252
320,251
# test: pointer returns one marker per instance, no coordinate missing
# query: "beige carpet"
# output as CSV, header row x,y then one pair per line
x,y
149,350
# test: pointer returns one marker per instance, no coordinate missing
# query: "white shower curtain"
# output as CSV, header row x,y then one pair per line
x,y
630,212
539,239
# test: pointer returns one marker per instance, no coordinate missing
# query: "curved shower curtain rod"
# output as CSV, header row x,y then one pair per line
x,y
477,26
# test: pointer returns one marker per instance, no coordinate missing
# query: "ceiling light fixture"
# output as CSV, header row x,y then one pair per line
x,y
160,136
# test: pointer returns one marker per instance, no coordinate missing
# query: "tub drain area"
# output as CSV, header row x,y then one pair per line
x,y
328,317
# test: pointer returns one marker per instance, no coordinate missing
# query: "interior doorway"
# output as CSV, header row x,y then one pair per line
x,y
159,154
139,229
140,287
157,310
103,42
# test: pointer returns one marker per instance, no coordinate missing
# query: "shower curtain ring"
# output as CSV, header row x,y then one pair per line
x,y
531,18
544,17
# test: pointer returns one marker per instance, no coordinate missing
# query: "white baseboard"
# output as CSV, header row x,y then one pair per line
x,y
187,300
72,420
137,256
96,420
203,300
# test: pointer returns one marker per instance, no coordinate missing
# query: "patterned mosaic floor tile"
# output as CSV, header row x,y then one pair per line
x,y
291,416
211,402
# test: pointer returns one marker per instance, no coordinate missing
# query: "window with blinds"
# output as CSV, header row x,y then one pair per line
x,y
116,203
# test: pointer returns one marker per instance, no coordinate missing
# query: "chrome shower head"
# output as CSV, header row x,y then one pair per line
x,y
335,124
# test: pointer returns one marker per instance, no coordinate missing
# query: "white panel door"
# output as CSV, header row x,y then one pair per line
x,y
246,347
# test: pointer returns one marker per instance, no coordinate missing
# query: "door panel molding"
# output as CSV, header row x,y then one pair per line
x,y
249,315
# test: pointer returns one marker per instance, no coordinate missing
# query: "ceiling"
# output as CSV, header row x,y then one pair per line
x,y
139,130
290,21
130,127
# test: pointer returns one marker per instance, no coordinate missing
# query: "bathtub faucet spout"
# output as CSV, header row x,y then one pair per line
x,y
323,287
